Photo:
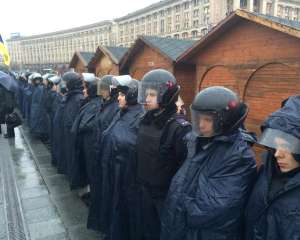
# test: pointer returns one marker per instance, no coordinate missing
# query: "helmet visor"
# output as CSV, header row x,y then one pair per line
x,y
150,90
276,139
107,85
205,123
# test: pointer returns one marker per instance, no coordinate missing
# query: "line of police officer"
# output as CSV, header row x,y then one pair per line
x,y
149,176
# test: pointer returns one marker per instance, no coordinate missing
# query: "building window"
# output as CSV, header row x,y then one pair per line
x,y
280,11
206,10
177,27
169,11
177,18
155,27
149,29
154,15
194,34
177,8
186,16
206,19
186,25
162,13
162,26
186,5
204,31
269,9
185,35
176,36
196,23
196,13
196,3
297,14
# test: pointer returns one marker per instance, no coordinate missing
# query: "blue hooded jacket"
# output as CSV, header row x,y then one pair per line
x,y
39,120
209,192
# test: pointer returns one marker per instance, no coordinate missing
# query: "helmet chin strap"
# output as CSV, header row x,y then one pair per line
x,y
240,121
163,108
172,98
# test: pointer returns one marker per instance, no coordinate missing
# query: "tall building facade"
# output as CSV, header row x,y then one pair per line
x,y
168,18
53,49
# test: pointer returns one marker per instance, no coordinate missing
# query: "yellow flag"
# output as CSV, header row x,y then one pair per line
x,y
4,55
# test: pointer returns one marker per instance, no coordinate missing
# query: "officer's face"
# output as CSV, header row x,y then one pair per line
x,y
206,125
284,157
121,100
151,100
45,82
104,93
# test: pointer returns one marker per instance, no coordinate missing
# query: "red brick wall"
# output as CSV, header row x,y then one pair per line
x,y
220,76
148,59
266,89
105,66
185,76
248,42
80,68
244,49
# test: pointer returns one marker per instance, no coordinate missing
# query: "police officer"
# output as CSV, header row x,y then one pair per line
x,y
39,121
52,102
106,113
27,96
160,146
273,208
72,103
117,158
58,114
208,193
85,134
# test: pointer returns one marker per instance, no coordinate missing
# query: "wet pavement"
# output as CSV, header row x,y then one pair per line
x,y
35,201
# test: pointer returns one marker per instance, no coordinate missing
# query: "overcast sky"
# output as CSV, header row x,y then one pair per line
x,y
41,16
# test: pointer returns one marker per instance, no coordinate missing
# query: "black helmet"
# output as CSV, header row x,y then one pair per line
x,y
108,83
129,87
91,83
164,83
223,105
73,80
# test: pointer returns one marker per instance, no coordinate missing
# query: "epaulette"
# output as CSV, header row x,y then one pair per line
x,y
182,122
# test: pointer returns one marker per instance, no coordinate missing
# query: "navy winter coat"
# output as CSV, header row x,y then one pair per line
x,y
118,146
207,195
39,120
56,141
103,119
73,102
84,131
27,102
